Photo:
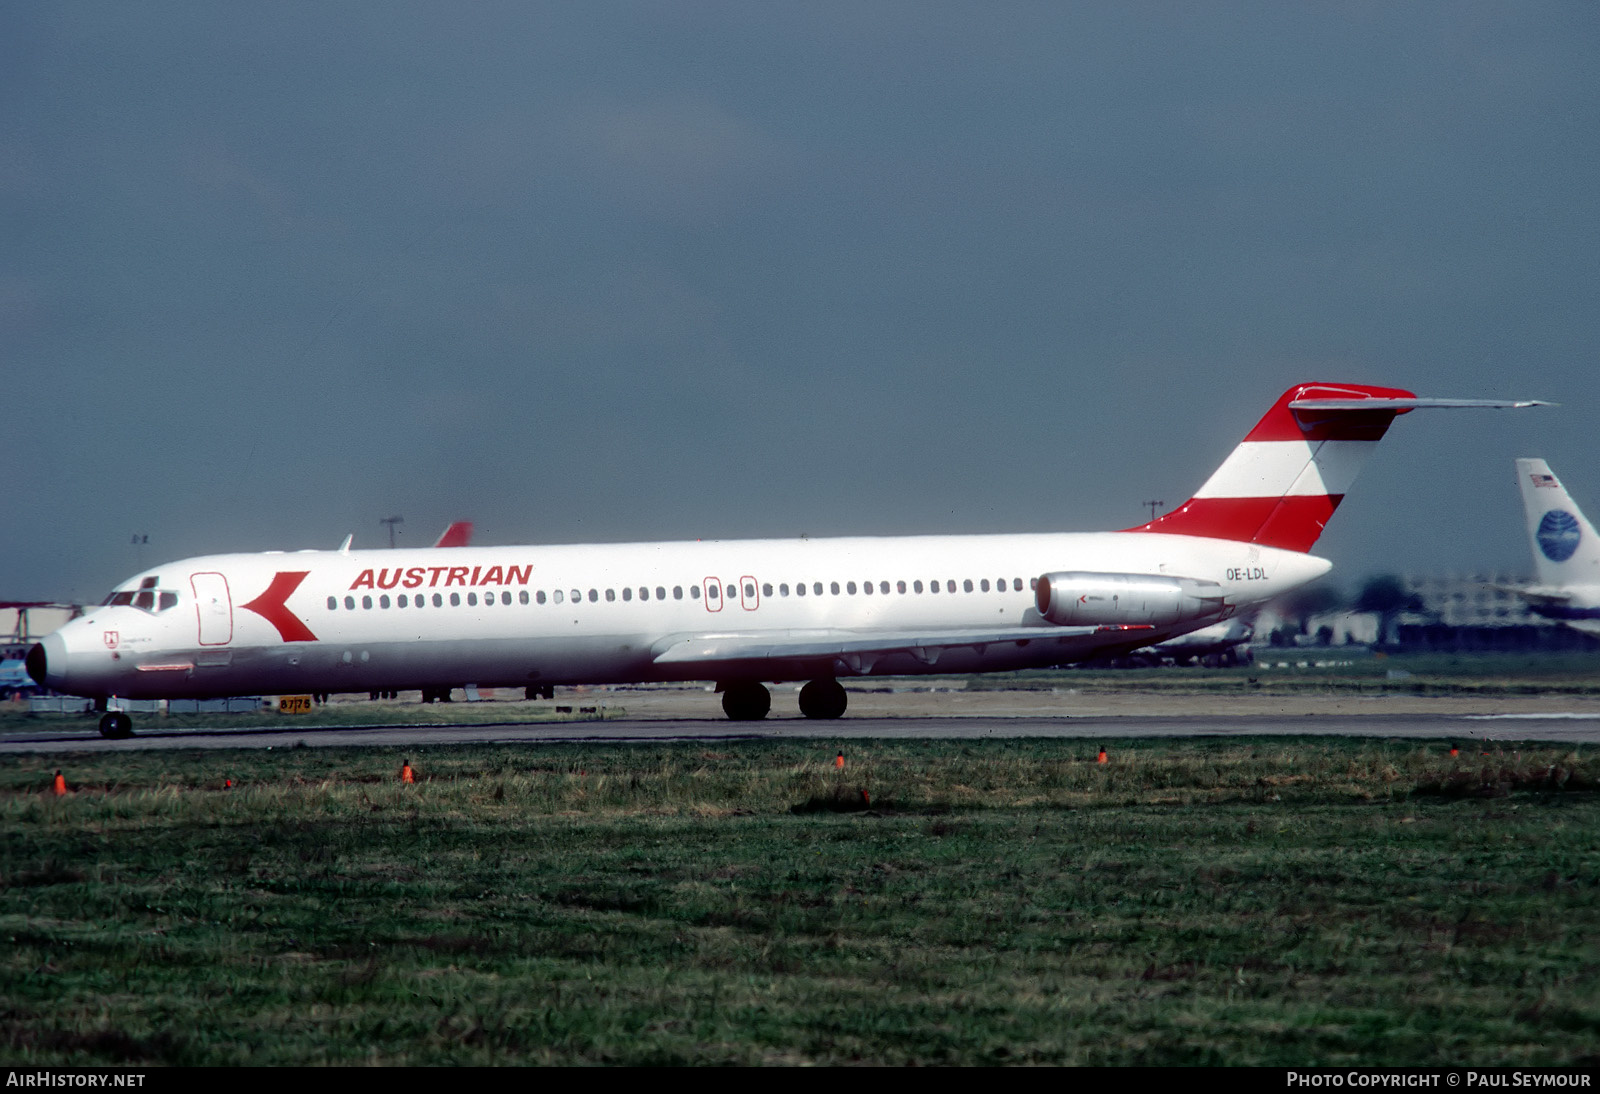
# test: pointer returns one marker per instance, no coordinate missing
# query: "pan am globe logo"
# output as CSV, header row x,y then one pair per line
x,y
1558,535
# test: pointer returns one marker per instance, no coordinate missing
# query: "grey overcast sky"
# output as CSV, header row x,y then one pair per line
x,y
606,271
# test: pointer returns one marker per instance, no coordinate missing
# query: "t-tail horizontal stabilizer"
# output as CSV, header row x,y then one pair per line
x,y
1280,486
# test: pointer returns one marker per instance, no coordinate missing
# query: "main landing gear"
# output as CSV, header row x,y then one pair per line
x,y
823,699
748,701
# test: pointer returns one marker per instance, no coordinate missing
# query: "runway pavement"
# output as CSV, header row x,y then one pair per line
x,y
1569,726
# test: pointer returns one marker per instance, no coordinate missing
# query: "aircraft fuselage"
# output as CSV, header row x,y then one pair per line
x,y
331,621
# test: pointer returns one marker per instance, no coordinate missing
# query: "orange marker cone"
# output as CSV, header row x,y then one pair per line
x,y
1102,757
60,785
406,775
227,784
866,799
1454,751
839,762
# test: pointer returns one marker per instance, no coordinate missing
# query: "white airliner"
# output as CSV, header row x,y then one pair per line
x,y
740,613
1566,552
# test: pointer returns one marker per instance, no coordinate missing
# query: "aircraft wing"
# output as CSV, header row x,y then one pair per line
x,y
1537,594
925,645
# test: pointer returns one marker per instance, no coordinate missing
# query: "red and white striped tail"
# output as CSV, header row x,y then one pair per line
x,y
1283,482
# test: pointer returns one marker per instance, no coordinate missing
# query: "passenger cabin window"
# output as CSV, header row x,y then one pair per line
x,y
333,603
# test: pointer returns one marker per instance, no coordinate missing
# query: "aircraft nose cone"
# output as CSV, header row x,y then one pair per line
x,y
48,654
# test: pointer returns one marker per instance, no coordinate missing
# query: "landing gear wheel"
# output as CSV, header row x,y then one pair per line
x,y
823,699
746,701
116,726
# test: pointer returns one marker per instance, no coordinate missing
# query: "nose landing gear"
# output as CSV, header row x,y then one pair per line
x,y
115,725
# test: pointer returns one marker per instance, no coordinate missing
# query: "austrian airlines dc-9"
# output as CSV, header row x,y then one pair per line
x,y
741,613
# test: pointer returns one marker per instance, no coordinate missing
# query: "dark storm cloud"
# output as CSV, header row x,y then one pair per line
x,y
661,270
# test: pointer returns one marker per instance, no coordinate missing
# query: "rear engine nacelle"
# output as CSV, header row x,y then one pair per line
x,y
1084,599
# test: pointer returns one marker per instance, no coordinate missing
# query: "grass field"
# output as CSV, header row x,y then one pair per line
x,y
1240,901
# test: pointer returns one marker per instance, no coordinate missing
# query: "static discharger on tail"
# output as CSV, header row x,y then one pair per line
x,y
1566,551
742,613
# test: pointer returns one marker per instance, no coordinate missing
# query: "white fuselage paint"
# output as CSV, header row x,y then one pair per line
x,y
219,647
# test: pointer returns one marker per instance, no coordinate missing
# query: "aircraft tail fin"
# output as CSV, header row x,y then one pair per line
x,y
458,534
1566,550
1282,483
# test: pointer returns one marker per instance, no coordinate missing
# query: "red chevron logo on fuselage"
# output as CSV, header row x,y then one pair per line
x,y
271,607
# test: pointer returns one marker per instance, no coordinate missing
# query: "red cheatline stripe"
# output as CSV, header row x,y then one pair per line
x,y
271,607
1292,523
1307,424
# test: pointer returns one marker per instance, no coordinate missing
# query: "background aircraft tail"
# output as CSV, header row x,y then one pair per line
x,y
1566,550
458,534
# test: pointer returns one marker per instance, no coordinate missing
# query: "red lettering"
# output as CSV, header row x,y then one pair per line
x,y
474,580
493,576
364,581
387,582
435,571
414,577
518,575
456,576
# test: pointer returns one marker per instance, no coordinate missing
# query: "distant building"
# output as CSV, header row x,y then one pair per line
x,y
22,623
1456,613
1477,612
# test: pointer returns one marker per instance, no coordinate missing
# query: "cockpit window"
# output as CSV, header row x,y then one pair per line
x,y
146,598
